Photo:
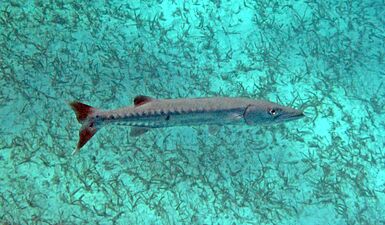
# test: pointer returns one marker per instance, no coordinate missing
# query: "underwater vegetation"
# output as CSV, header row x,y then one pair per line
x,y
324,57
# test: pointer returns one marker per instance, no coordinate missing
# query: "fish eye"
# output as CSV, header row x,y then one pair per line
x,y
273,112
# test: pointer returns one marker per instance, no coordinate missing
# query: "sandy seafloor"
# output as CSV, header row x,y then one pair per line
x,y
325,57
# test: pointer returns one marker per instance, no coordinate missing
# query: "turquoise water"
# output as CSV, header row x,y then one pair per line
x,y
324,57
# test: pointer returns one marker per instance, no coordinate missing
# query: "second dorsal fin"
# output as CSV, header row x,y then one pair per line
x,y
141,99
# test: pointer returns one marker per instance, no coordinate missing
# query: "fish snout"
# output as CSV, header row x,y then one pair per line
x,y
292,114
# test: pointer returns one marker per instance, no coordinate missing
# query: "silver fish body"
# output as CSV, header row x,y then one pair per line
x,y
178,112
156,113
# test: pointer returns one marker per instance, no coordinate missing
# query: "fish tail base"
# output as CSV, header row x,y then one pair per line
x,y
83,114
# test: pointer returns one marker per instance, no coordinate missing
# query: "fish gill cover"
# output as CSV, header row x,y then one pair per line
x,y
325,57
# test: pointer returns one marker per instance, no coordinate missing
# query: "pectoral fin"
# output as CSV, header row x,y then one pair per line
x,y
214,129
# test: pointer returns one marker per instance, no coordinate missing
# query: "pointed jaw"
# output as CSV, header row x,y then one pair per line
x,y
290,114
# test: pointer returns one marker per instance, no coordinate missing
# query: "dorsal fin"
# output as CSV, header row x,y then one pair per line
x,y
141,99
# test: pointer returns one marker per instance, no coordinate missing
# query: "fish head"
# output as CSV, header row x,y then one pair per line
x,y
267,113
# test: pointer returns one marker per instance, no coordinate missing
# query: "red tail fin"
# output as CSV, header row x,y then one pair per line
x,y
85,134
88,129
82,110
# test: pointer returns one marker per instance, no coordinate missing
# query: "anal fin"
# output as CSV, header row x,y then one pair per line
x,y
137,131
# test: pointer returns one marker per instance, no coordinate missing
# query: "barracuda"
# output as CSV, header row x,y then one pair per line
x,y
148,113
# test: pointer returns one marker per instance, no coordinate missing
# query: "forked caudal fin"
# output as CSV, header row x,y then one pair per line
x,y
83,113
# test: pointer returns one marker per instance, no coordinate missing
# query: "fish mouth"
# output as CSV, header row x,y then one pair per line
x,y
289,116
297,116
294,116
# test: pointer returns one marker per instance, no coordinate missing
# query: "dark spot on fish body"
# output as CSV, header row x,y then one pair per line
x,y
168,117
